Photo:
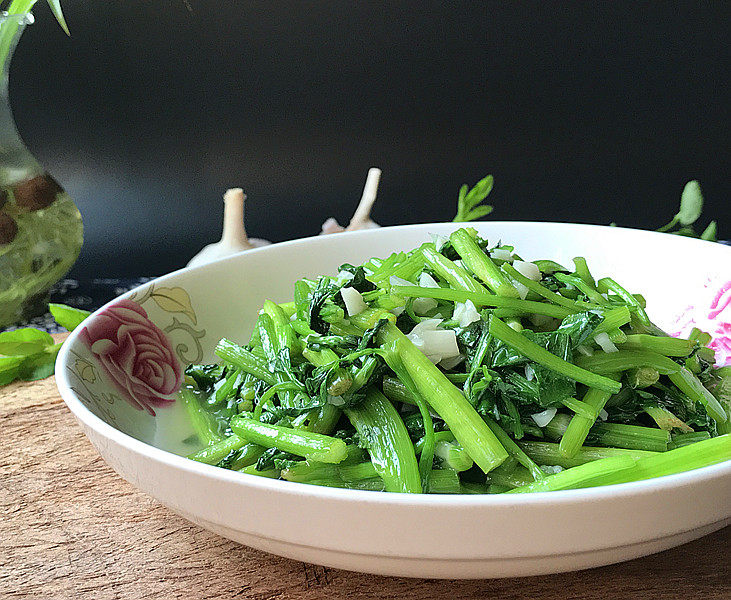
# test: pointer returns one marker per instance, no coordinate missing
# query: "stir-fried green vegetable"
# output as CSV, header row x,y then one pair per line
x,y
460,368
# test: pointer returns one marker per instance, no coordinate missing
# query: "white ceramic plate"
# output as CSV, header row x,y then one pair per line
x,y
181,317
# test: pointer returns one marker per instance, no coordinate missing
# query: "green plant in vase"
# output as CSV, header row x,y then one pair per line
x,y
40,227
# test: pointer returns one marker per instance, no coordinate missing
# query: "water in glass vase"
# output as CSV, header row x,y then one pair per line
x,y
40,227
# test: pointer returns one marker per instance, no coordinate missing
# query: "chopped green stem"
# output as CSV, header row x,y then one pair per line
x,y
217,452
582,286
614,318
467,426
481,264
266,397
668,346
547,453
245,360
580,408
630,436
608,284
426,460
683,439
539,289
455,275
613,362
203,425
512,477
391,450
444,481
667,420
642,377
525,307
691,386
586,475
453,455
619,435
693,456
248,455
439,436
268,473
582,271
370,316
514,449
540,355
224,391
577,430
286,337
313,446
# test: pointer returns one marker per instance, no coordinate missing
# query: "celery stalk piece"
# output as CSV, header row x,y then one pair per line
x,y
586,475
524,307
389,445
468,428
624,360
481,264
614,318
313,446
215,453
514,449
203,426
540,355
453,274
667,346
691,386
582,286
269,473
245,360
426,460
582,271
642,377
686,458
444,481
548,453
453,455
577,430
539,289
619,435
286,337
608,284
370,316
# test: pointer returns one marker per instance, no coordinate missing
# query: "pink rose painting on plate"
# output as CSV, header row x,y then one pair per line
x,y
136,355
711,314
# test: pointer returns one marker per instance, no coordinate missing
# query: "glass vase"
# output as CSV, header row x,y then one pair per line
x,y
40,227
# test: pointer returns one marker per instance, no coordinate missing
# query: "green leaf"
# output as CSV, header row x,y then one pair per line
x,y
67,316
24,342
9,368
691,203
39,366
468,201
709,233
479,212
58,13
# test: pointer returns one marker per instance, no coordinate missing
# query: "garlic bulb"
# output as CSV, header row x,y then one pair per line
x,y
361,218
234,238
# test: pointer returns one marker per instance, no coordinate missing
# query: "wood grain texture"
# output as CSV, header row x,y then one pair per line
x,y
71,528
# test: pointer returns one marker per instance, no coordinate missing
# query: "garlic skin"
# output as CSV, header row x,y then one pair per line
x,y
234,238
361,218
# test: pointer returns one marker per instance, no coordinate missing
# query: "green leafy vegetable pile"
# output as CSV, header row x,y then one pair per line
x,y
458,367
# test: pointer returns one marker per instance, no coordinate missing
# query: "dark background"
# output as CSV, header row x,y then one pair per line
x,y
584,112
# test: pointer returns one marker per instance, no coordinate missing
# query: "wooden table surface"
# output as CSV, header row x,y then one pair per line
x,y
71,528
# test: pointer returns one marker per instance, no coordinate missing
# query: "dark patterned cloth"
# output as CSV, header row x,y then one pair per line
x,y
87,294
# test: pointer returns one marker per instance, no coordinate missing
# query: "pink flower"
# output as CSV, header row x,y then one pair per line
x,y
135,354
